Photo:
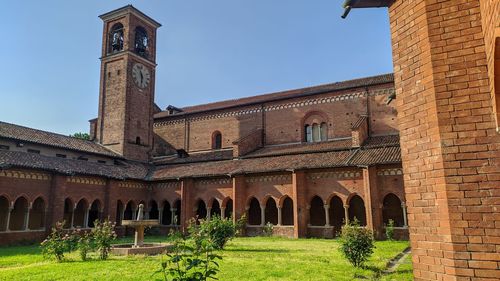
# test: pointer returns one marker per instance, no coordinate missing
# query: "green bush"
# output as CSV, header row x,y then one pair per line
x,y
267,230
356,243
56,243
85,244
103,234
216,231
389,230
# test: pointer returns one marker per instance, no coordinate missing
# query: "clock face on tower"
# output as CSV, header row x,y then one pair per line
x,y
141,75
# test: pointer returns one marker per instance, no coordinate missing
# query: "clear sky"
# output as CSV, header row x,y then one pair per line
x,y
206,51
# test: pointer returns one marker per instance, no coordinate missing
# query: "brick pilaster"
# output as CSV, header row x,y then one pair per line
x,y
300,213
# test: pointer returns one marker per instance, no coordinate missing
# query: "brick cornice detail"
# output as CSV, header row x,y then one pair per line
x,y
25,175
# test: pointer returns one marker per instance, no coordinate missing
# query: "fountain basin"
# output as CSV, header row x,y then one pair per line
x,y
145,249
144,223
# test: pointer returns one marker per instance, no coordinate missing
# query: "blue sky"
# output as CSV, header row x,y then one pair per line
x,y
206,51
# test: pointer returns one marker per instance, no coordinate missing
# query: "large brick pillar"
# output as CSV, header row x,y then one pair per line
x,y
299,197
372,201
187,204
55,206
450,148
239,197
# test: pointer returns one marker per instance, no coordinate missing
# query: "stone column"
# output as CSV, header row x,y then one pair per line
x,y
327,215
9,211
173,218
86,219
72,218
405,219
209,213
26,222
134,213
160,216
346,213
279,216
123,215
223,212
262,215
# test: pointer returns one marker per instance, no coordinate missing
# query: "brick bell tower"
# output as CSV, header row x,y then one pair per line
x,y
126,95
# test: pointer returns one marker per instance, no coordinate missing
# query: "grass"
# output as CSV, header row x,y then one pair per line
x,y
253,259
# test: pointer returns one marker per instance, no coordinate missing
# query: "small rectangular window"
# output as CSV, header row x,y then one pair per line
x,y
101,161
4,147
83,158
34,151
61,155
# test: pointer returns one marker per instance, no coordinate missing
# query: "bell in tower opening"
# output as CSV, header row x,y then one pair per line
x,y
141,41
116,38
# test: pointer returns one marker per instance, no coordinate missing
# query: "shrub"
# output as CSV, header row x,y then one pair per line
x,y
187,263
267,230
85,244
389,230
356,243
103,234
216,231
56,243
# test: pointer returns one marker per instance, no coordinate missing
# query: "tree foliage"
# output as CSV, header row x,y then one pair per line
x,y
356,243
80,135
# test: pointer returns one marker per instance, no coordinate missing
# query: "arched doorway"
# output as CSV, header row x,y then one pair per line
x,y
357,210
80,213
18,214
94,213
254,212
228,211
317,212
37,214
336,213
215,210
201,210
287,212
392,210
129,213
177,213
166,217
4,209
271,212
154,213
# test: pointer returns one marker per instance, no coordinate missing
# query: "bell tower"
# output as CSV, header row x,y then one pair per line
x,y
126,94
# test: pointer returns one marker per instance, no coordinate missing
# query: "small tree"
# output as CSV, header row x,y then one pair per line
x,y
85,245
356,243
56,243
217,231
103,234
389,230
80,135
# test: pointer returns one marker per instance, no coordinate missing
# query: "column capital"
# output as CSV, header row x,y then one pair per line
x,y
346,206
403,204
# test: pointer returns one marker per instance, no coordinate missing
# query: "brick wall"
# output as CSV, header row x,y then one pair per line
x,y
448,139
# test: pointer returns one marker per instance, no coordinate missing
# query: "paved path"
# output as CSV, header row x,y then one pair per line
x,y
393,264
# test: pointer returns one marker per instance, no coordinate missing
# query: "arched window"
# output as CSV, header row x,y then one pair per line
x,y
228,211
94,213
116,38
316,132
271,211
254,212
215,210
4,209
138,140
166,216
37,214
119,212
336,213
18,214
317,212
141,41
216,140
68,213
392,210
357,210
308,133
323,131
154,213
201,210
287,212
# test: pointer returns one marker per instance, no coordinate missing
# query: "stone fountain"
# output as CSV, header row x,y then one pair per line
x,y
139,247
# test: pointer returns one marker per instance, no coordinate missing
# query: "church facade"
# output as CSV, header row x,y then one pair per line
x,y
306,160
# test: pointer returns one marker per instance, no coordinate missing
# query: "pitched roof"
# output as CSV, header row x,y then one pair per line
x,y
348,84
20,133
196,157
126,169
300,148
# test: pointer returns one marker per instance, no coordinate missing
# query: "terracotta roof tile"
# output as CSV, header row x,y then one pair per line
x,y
126,170
301,148
20,133
381,155
362,82
197,157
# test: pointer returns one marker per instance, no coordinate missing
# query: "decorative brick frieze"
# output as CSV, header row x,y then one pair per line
x,y
129,184
25,175
271,178
84,180
170,184
335,175
214,181
390,172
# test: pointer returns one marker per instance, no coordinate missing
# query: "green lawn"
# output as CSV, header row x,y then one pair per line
x,y
243,259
